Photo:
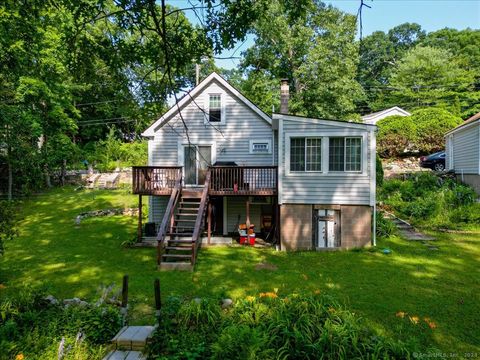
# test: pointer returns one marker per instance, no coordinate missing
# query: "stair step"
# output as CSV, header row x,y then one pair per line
x,y
185,220
179,248
176,256
192,214
183,266
133,337
181,241
124,355
180,234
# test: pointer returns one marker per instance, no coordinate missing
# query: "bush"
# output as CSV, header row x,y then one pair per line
x,y
8,221
379,171
396,135
385,227
270,327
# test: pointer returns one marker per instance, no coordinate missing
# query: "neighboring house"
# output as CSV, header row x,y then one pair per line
x,y
463,151
375,117
309,183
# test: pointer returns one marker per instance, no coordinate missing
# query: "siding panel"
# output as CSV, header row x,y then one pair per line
x,y
465,145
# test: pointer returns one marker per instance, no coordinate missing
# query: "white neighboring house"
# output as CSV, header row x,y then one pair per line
x,y
463,151
375,117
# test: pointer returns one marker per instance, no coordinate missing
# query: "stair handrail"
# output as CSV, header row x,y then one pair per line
x,y
200,217
172,203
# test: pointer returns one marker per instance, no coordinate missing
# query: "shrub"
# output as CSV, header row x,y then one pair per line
x,y
396,135
385,227
270,327
379,171
8,222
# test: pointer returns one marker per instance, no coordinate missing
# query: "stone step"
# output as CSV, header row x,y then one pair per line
x,y
133,337
181,266
124,355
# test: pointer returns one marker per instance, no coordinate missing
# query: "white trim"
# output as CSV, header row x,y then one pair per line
x,y
225,216
332,123
150,131
462,127
373,118
252,141
373,168
325,153
206,108
280,161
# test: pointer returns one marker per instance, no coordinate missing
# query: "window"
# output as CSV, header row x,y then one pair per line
x,y
215,108
260,147
345,154
305,154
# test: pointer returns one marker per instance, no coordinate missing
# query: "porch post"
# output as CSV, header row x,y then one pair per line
x,y
248,216
139,229
209,229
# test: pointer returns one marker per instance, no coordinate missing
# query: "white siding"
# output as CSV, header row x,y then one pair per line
x,y
157,206
464,150
331,188
231,140
237,213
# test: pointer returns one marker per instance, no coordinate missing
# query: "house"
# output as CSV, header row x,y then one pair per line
x,y
216,159
463,151
375,117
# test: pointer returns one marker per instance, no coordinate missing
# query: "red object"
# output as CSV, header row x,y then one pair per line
x,y
251,239
243,240
235,187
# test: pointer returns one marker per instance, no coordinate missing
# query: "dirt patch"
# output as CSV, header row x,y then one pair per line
x,y
266,266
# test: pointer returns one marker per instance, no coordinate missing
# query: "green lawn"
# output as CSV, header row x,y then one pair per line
x,y
73,260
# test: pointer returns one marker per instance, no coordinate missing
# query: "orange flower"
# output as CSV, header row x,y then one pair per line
x,y
271,295
414,319
2,287
431,324
19,357
316,292
250,298
400,314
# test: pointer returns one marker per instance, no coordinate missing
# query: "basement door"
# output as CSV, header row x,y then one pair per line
x,y
327,234
197,160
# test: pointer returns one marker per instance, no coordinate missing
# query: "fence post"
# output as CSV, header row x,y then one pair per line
x,y
124,298
158,300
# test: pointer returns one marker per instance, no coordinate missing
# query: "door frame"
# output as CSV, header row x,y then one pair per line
x,y
181,155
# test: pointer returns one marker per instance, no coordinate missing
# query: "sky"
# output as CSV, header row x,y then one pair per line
x,y
383,15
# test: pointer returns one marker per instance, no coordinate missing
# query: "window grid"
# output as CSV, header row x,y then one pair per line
x,y
297,154
215,108
345,154
313,154
336,154
353,156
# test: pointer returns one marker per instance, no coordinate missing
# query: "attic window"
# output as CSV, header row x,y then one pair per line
x,y
215,108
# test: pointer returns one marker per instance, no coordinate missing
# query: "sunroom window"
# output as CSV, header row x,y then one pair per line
x,y
345,154
305,154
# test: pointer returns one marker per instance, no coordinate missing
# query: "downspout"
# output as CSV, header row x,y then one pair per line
x,y
375,223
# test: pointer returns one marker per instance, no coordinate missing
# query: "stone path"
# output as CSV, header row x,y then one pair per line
x,y
129,343
406,230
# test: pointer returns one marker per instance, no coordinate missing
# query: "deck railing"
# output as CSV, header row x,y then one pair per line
x,y
243,180
155,180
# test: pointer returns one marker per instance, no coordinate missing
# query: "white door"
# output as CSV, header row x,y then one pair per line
x,y
325,228
197,159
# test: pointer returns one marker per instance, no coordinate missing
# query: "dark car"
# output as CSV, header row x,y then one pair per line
x,y
434,161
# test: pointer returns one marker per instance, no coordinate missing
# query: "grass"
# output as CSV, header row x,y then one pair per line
x,y
73,260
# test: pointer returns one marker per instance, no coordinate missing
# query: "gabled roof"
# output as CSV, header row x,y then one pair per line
x,y
195,91
384,112
469,121
328,122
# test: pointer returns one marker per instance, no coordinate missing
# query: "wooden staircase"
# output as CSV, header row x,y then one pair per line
x,y
178,244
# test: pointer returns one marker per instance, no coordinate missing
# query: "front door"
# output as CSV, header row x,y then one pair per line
x,y
197,160
327,229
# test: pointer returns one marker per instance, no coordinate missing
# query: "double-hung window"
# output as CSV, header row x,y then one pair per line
x,y
345,154
215,108
305,154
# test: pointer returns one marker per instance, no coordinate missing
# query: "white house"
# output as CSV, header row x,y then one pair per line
x,y
375,117
308,183
463,151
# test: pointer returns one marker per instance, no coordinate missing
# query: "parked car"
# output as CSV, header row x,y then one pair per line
x,y
434,161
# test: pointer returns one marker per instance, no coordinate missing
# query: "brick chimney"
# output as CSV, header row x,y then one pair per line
x,y
284,96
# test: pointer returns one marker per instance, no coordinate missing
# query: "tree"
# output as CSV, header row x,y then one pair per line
x,y
7,224
315,50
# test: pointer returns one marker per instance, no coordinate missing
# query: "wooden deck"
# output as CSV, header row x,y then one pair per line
x,y
225,180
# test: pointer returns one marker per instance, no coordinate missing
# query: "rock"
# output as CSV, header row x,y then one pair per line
x,y
75,302
226,303
51,299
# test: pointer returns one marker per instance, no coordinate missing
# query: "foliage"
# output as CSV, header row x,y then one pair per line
x,y
379,170
8,223
32,326
385,227
430,201
421,132
396,135
271,327
431,126
315,50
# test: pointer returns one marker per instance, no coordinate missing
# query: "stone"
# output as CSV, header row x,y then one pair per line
x,y
51,299
75,302
226,303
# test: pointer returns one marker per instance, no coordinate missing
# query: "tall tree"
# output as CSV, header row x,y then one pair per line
x,y
314,48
